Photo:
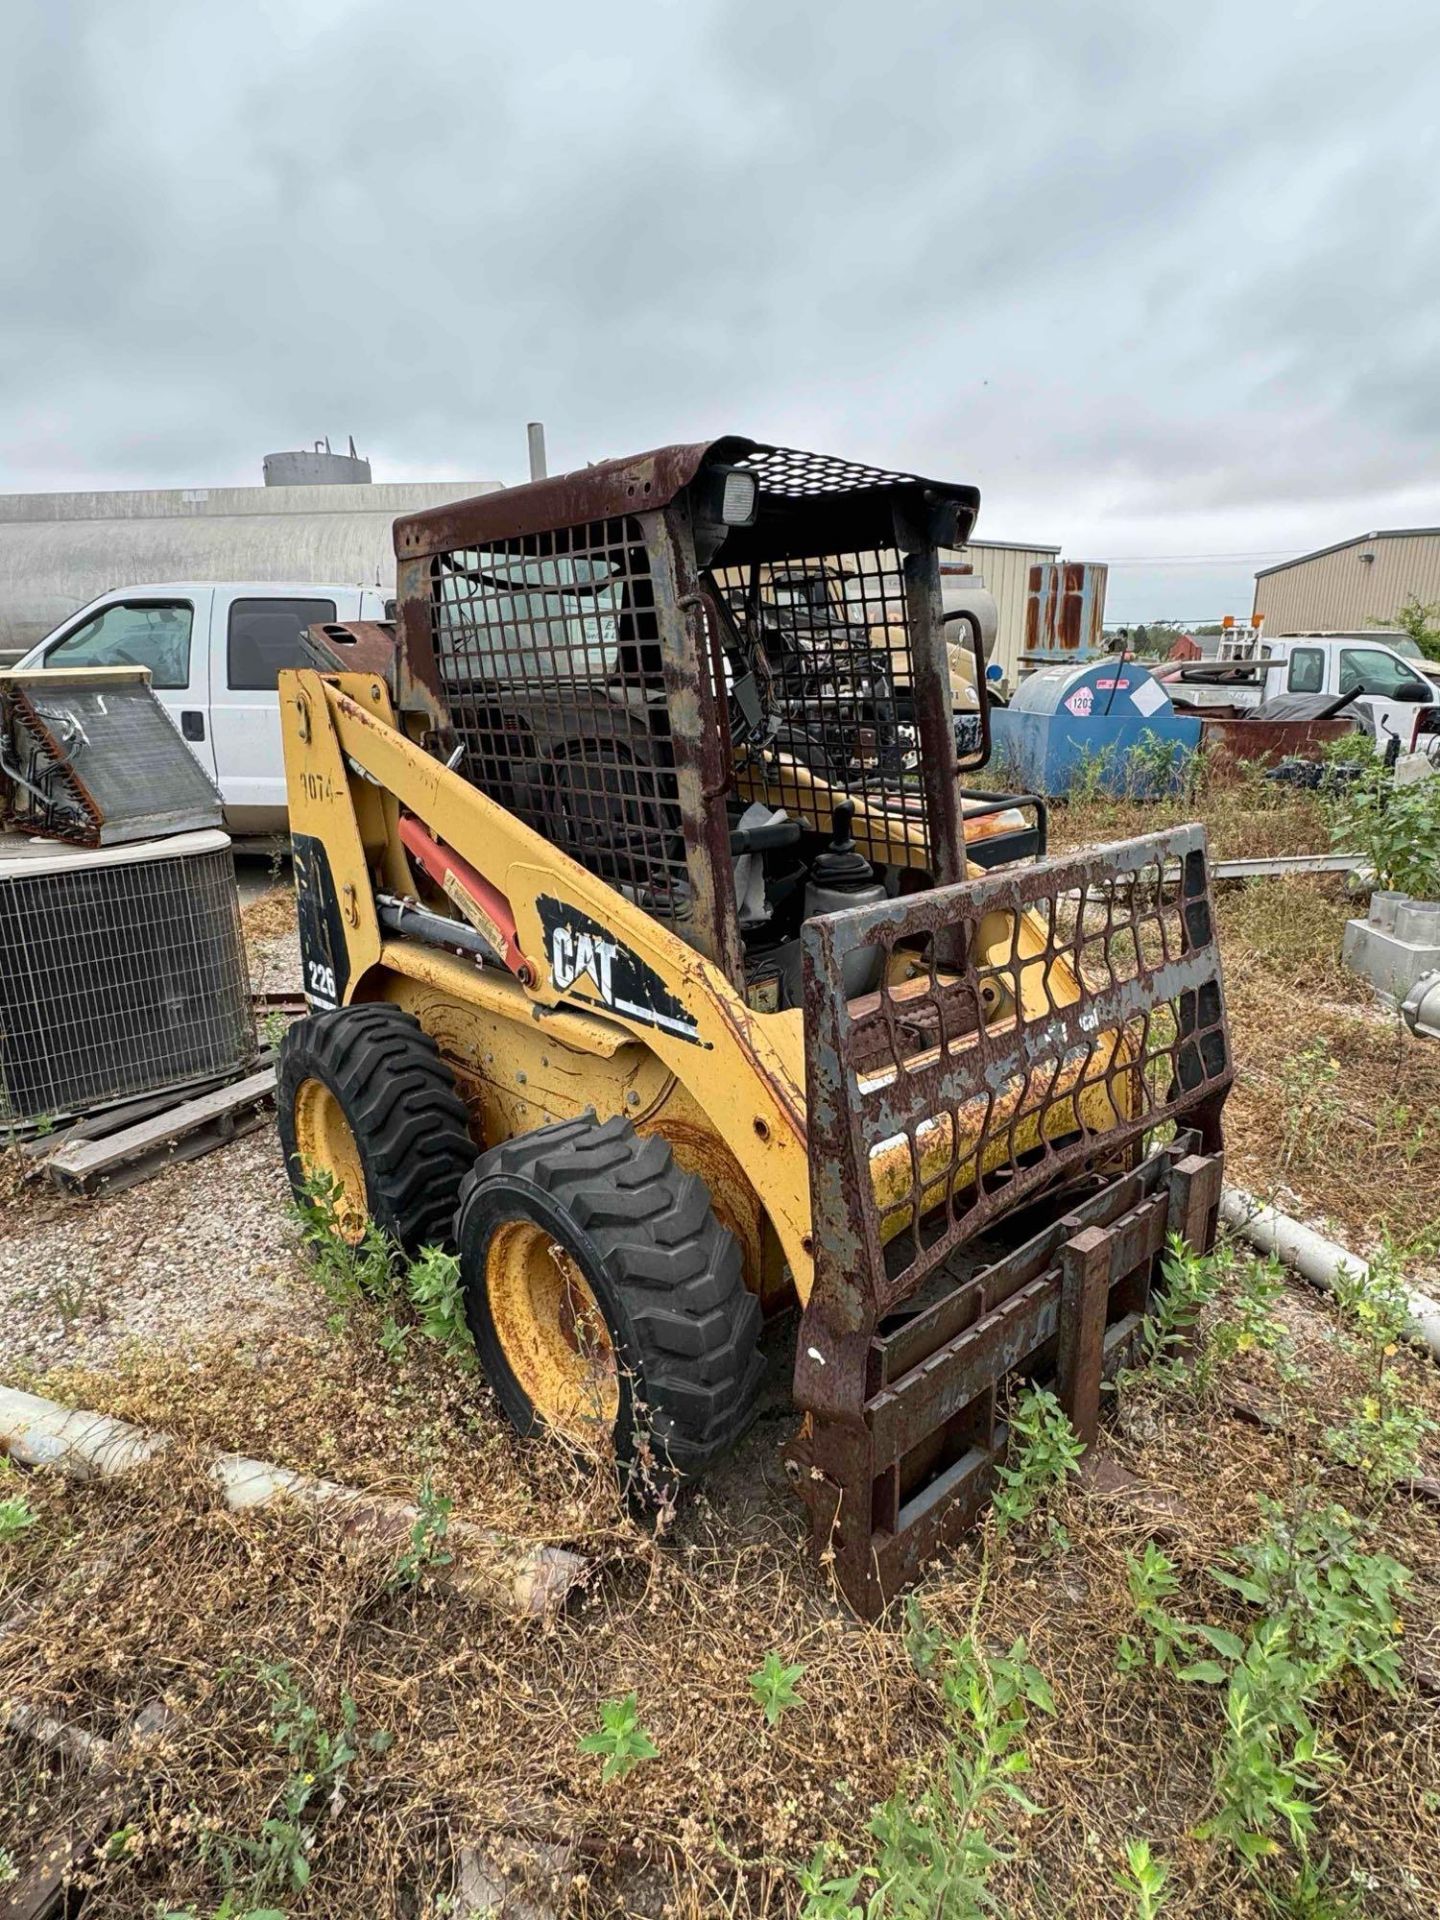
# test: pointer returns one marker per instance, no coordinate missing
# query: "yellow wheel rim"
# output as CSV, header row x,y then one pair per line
x,y
552,1332
327,1150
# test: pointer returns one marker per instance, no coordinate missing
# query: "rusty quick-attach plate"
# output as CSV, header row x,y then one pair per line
x,y
971,1124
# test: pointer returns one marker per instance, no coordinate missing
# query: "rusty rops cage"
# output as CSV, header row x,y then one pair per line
x,y
629,682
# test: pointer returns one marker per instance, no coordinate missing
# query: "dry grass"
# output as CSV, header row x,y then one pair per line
x,y
1247,816
270,916
129,1591
1336,1110
133,1591
1337,1107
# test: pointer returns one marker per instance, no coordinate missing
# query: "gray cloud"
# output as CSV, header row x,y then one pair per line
x,y
1160,283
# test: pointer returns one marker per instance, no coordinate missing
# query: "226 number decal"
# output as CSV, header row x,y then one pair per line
x,y
320,983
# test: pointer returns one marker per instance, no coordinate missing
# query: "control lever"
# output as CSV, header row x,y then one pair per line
x,y
775,833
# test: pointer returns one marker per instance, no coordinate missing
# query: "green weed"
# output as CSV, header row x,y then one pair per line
x,y
1249,1324
70,1296
320,1760
394,1337
1385,1433
938,1840
229,1908
620,1739
1309,1895
16,1512
349,1272
427,1549
273,1028
1156,768
1383,1438
1143,1879
1395,829
1191,1282
1335,1603
1375,1303
1269,1759
435,1291
773,1686
1175,1644
1312,1105
1327,1608
1094,775
1044,1450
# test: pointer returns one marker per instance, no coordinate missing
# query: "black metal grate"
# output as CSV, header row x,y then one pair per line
x,y
548,652
788,474
829,643
1025,1022
119,978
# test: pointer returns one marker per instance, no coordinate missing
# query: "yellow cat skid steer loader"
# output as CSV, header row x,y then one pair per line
x,y
641,977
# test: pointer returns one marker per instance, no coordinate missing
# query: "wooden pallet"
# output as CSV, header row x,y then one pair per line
x,y
80,1167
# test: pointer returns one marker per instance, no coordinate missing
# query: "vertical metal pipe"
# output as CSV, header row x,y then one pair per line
x,y
535,433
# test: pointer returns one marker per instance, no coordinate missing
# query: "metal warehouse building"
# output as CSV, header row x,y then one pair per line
x,y
1346,587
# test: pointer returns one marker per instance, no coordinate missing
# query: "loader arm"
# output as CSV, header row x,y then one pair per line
x,y
347,763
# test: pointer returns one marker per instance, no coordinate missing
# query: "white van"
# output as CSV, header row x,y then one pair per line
x,y
213,652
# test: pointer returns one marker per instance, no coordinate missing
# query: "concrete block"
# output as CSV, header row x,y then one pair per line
x,y
1396,944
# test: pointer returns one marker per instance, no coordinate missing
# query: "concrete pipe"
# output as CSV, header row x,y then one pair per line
x,y
1317,1259
510,1575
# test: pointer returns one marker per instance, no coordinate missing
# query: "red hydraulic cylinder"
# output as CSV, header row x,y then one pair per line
x,y
483,905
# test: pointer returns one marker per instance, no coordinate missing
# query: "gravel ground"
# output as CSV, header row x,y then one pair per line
x,y
275,964
272,941
205,1250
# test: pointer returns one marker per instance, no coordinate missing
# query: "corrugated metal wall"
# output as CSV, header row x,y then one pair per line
x,y
1340,590
1006,572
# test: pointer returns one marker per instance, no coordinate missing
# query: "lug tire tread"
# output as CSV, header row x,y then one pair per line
x,y
400,1099
679,1271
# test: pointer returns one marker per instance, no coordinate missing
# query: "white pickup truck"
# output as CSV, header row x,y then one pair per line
x,y
213,651
1392,695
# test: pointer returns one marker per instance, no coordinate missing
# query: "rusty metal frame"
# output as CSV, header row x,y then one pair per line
x,y
18,709
807,506
912,1467
1111,969
697,738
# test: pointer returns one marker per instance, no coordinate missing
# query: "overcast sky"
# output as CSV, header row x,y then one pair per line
x,y
1164,282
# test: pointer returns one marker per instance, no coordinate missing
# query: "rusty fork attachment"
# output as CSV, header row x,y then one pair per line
x,y
1002,1138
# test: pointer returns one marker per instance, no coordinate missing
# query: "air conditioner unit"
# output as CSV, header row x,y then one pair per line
x,y
89,754
122,972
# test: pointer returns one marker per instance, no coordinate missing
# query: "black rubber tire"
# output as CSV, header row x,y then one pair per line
x,y
667,1276
398,1096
